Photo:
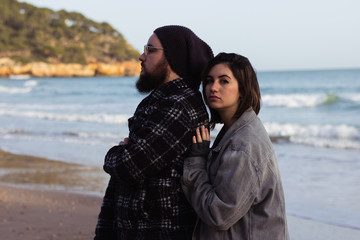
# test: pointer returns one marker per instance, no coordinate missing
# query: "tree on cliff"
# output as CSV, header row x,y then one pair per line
x,y
28,34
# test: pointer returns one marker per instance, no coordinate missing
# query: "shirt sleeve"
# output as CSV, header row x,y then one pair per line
x,y
161,141
229,197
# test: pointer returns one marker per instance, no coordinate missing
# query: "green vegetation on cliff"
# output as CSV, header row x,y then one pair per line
x,y
28,34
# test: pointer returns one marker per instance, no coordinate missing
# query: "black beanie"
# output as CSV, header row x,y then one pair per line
x,y
185,52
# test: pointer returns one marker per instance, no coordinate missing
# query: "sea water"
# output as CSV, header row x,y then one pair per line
x,y
313,118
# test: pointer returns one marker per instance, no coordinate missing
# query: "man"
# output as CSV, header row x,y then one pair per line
x,y
144,199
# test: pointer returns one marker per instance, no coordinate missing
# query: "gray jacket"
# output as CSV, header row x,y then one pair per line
x,y
237,193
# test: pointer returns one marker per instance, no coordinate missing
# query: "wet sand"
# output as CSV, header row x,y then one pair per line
x,y
41,173
43,199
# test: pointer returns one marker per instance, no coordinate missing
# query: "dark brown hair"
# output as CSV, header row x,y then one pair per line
x,y
244,73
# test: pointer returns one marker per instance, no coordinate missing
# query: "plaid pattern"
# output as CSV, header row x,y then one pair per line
x,y
144,199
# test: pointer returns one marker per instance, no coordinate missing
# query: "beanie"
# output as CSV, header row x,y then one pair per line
x,y
185,52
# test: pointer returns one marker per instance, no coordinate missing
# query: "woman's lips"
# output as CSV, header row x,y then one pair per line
x,y
213,98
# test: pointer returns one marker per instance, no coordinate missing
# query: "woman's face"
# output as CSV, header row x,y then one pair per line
x,y
222,89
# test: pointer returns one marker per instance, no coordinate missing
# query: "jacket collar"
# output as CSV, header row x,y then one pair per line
x,y
225,135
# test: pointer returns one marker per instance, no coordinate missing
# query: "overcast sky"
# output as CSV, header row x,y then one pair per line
x,y
273,34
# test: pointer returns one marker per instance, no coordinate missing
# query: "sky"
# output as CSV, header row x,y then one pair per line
x,y
273,34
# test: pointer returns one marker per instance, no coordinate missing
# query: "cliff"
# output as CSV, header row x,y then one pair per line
x,y
8,67
42,42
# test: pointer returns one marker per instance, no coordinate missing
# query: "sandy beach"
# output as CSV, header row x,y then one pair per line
x,y
46,214
43,199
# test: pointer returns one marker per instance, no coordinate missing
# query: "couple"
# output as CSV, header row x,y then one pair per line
x,y
165,181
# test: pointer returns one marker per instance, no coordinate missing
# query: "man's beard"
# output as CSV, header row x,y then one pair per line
x,y
150,81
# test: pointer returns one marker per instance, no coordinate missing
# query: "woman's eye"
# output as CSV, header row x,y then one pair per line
x,y
207,81
224,81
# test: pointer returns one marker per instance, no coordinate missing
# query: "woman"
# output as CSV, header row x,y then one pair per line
x,y
235,187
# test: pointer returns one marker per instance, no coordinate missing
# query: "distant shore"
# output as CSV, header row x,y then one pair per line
x,y
10,68
45,199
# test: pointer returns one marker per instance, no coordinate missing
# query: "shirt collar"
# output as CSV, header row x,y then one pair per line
x,y
170,87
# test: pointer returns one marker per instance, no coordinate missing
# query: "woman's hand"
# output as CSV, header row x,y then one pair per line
x,y
201,142
201,136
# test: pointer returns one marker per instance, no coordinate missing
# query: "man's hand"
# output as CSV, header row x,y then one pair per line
x,y
125,141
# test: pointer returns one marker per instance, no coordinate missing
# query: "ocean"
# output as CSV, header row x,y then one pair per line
x,y
313,118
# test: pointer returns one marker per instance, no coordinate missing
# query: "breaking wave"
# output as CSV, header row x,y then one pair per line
x,y
27,87
330,136
93,118
306,100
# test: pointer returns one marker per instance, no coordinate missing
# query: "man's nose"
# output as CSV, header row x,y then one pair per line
x,y
142,57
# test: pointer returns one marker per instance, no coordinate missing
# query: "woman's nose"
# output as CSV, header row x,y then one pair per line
x,y
214,87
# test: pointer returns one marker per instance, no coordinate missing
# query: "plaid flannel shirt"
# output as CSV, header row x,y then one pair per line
x,y
144,199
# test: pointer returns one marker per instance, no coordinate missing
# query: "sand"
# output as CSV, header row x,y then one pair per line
x,y
43,199
46,214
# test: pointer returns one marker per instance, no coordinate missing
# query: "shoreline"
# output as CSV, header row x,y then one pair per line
x,y
45,199
41,173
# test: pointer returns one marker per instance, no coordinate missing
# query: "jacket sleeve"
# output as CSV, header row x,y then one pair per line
x,y
105,228
160,141
221,203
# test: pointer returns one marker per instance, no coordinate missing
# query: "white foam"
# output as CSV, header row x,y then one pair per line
x,y
355,97
326,143
340,136
96,135
44,138
94,118
19,77
46,107
31,83
28,87
294,100
14,90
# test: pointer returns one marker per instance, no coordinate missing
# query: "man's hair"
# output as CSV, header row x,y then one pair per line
x,y
244,73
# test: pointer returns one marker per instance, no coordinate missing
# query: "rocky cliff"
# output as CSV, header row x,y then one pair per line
x,y
42,42
9,67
